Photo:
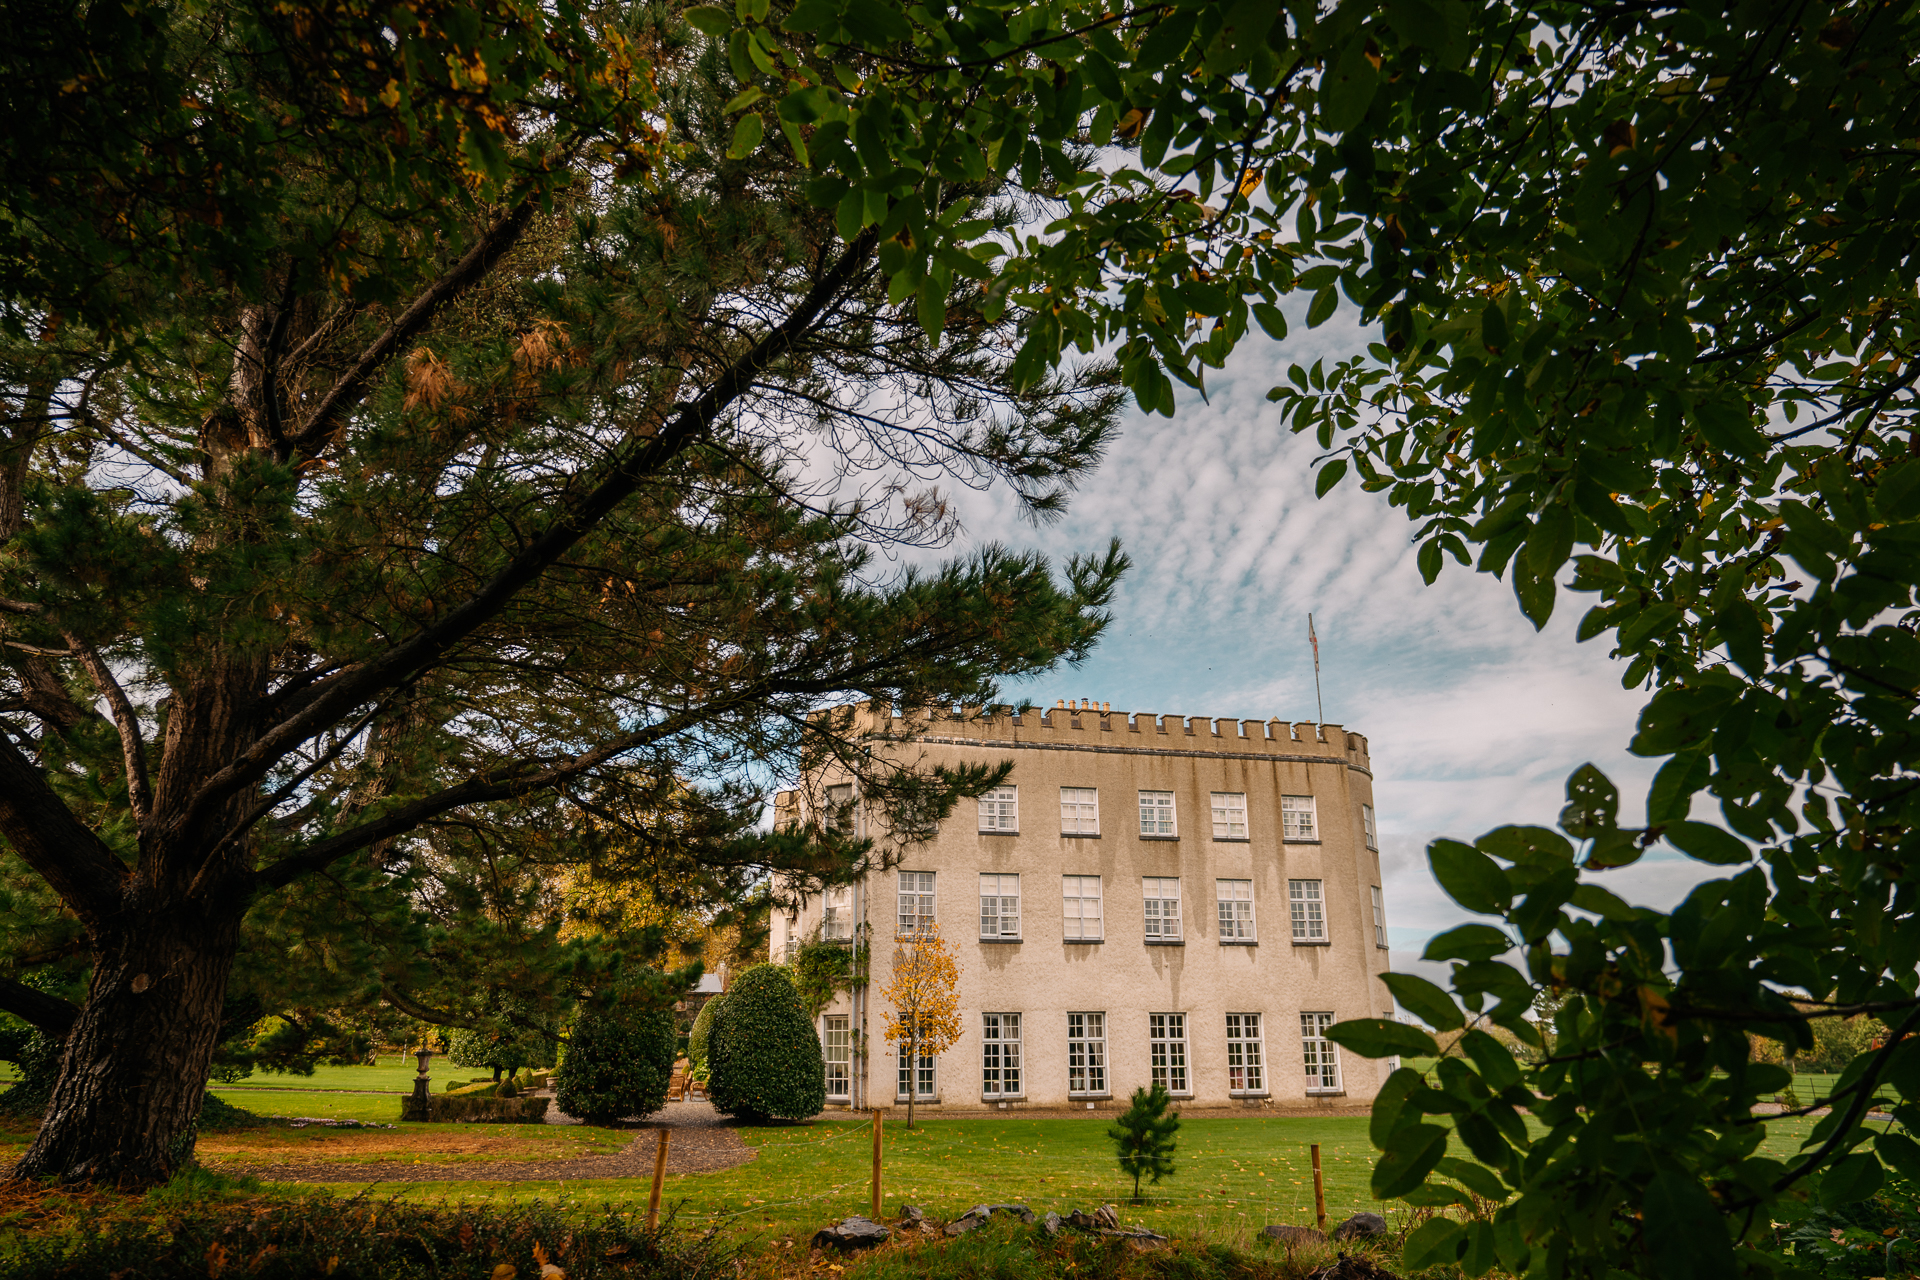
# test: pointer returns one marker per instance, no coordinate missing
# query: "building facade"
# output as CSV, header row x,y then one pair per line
x,y
1188,901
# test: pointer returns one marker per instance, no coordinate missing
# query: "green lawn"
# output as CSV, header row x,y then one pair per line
x,y
391,1076
1234,1175
372,1108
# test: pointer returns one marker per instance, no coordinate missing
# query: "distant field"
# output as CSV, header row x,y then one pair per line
x,y
373,1108
390,1076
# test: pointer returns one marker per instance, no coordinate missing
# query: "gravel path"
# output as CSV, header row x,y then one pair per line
x,y
703,1140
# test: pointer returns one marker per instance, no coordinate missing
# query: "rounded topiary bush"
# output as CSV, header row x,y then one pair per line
x,y
763,1054
618,1064
701,1035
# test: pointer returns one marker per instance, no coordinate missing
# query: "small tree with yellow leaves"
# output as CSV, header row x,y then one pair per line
x,y
924,991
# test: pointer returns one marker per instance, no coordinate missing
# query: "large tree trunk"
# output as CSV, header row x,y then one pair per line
x,y
134,1073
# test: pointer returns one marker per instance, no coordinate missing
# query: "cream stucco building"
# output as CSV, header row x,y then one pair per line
x,y
1148,898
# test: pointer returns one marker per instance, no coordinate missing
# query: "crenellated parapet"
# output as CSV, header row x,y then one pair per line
x,y
1095,724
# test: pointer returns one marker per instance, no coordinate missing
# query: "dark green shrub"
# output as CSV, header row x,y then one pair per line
x,y
698,1039
763,1054
1143,1135
519,1040
180,1236
618,1064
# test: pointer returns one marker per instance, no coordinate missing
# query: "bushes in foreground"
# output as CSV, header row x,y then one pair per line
x,y
763,1054
296,1238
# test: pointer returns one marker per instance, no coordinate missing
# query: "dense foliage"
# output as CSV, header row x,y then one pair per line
x,y
619,1063
700,1037
763,1053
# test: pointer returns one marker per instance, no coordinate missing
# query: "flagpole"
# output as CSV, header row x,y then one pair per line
x,y
1314,640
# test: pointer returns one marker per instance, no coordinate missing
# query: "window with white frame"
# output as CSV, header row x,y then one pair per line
x,y
1246,1069
1229,815
916,900
1162,895
1000,809
1156,813
1367,828
836,1043
1079,811
999,906
1167,1042
1322,1056
1379,918
836,912
1081,896
1086,1053
1000,1055
1308,909
839,804
1235,901
1296,818
923,1077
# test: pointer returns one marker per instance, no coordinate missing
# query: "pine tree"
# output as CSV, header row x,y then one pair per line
x,y
1143,1133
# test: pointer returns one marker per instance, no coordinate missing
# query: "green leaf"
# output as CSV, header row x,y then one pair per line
x,y
1390,1105
1382,1038
1851,1180
1347,89
1606,905
1470,877
1434,1243
1270,319
1684,1231
1493,328
1671,794
746,136
1425,1001
1707,843
1410,1156
1436,1195
1477,1178
1897,495
1329,476
710,19
1478,1257
1900,1151
1322,306
1496,1064
744,99
1468,942
1593,803
1739,627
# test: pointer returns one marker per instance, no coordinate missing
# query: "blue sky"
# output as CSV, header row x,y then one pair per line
x,y
1473,719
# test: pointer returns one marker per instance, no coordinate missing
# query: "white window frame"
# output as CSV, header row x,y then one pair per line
x,y
1157,817
1307,909
1170,1062
1319,1055
1079,811
841,816
1298,818
1233,909
836,913
1160,901
999,905
1368,828
1076,893
836,1047
1000,1057
916,902
1229,815
1379,917
928,1081
1246,1055
1087,1055
1000,810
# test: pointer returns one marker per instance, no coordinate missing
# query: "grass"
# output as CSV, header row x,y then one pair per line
x,y
289,1104
390,1075
1234,1175
411,1143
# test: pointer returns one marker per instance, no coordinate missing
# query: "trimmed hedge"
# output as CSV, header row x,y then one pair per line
x,y
763,1054
450,1108
701,1035
619,1064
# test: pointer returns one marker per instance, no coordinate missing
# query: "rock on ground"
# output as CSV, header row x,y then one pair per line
x,y
979,1215
853,1233
1361,1226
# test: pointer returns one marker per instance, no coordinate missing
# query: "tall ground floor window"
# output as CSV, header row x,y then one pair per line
x,y
1167,1036
923,1077
836,1041
1321,1054
1246,1068
1000,1055
1086,1053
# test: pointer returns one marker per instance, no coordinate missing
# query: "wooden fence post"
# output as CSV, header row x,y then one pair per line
x,y
1319,1191
660,1176
876,1164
